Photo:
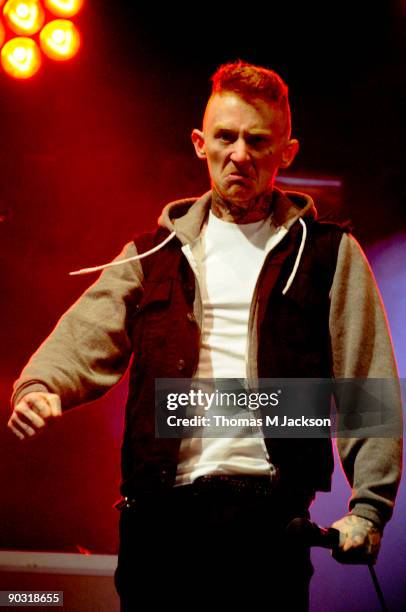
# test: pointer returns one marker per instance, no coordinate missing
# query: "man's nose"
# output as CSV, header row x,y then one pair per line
x,y
240,152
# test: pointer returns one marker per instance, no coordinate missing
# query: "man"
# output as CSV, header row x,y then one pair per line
x,y
248,285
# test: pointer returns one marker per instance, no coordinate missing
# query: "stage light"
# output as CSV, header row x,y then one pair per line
x,y
64,8
24,16
21,57
60,39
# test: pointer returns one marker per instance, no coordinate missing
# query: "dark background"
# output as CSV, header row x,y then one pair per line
x,y
91,150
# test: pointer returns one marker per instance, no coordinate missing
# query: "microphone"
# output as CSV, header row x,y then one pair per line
x,y
307,533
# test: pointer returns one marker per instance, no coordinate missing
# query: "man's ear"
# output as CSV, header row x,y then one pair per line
x,y
198,143
289,153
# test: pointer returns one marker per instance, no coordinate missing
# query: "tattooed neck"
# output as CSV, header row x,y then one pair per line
x,y
255,210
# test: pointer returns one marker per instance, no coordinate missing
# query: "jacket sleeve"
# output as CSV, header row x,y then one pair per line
x,y
362,348
89,349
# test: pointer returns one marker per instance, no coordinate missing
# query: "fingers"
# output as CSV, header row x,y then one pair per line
x,y
355,556
55,403
43,404
359,540
33,412
20,425
14,429
35,404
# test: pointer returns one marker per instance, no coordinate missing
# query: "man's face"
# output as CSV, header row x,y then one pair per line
x,y
244,144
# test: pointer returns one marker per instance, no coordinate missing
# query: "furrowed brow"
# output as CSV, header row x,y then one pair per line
x,y
224,128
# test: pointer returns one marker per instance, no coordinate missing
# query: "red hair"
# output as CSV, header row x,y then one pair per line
x,y
250,81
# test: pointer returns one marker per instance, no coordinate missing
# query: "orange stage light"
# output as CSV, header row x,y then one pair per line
x,y
64,8
24,16
21,57
60,39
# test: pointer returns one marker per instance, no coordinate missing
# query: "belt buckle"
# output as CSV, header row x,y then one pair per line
x,y
235,485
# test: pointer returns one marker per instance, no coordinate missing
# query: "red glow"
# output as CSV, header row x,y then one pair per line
x,y
64,8
60,39
21,58
24,16
2,34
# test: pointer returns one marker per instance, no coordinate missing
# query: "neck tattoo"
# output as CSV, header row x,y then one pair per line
x,y
247,212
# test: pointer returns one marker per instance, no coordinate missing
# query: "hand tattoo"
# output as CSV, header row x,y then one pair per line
x,y
359,539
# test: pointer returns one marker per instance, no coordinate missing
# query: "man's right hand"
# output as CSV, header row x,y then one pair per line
x,y
33,412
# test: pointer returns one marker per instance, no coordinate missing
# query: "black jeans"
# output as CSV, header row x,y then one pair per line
x,y
213,548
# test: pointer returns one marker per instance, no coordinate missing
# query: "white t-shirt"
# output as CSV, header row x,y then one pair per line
x,y
232,256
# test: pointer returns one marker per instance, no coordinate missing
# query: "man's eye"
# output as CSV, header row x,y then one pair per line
x,y
257,141
225,136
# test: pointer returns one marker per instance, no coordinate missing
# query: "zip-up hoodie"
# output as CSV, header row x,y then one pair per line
x,y
89,349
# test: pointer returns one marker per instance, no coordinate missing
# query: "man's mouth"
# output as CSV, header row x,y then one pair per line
x,y
238,176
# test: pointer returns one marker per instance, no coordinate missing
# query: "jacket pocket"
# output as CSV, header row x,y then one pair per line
x,y
150,320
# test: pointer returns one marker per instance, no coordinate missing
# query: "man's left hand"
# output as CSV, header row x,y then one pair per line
x,y
360,540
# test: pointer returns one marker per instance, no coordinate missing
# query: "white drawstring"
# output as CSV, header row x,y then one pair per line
x,y
122,261
299,255
172,235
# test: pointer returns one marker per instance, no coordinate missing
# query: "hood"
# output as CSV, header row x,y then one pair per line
x,y
185,218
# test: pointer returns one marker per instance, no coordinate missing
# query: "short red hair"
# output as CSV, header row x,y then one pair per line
x,y
250,81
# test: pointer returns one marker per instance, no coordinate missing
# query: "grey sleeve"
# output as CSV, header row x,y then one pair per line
x,y
362,348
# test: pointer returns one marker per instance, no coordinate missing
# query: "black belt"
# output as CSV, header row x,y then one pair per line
x,y
244,486
254,486
235,485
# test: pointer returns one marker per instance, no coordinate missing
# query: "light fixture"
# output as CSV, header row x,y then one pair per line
x,y
59,39
21,57
64,8
30,29
25,17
